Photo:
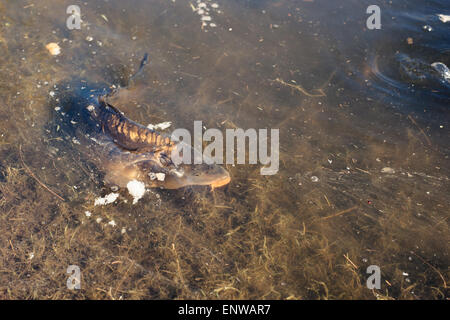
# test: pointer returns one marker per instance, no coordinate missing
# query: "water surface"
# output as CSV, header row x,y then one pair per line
x,y
364,151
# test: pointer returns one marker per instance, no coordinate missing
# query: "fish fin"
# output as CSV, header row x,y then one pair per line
x,y
144,61
114,89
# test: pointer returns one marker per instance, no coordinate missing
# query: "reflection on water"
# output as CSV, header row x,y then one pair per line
x,y
364,168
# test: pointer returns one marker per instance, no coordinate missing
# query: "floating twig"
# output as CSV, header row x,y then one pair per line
x,y
297,87
424,134
350,261
339,213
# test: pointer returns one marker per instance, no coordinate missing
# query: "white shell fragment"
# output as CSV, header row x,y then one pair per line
x,y
443,70
112,223
157,176
444,18
205,9
160,126
136,190
53,48
109,198
160,176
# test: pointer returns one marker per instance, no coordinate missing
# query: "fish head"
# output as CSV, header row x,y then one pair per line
x,y
203,174
158,174
195,170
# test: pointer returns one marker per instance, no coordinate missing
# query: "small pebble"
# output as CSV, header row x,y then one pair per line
x,y
53,48
387,170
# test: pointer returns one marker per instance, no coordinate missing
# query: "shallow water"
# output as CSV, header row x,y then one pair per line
x,y
364,151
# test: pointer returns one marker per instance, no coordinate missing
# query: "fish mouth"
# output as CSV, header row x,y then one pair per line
x,y
158,171
197,175
220,182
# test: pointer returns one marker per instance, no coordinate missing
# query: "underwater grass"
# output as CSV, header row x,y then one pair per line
x,y
287,236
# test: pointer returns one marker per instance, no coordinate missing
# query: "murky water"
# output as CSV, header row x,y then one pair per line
x,y
364,151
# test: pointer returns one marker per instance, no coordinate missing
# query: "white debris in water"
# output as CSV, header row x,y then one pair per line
x,y
442,69
52,93
160,176
53,48
110,198
204,10
160,126
123,230
112,223
90,108
98,220
89,38
387,170
444,18
88,213
427,28
157,176
57,108
136,189
314,179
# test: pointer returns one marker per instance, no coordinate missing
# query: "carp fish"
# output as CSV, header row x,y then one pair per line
x,y
122,148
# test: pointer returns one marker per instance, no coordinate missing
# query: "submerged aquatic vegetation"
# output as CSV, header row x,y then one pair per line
x,y
363,177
